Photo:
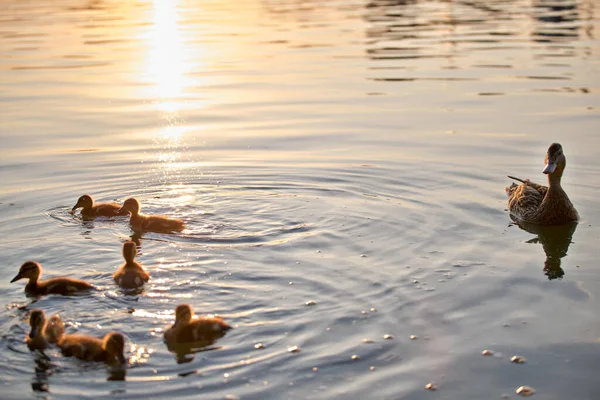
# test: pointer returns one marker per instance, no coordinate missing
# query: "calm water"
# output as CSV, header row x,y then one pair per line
x,y
350,153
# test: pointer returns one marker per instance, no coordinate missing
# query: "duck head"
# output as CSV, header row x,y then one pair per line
x,y
37,320
129,251
555,160
114,345
30,270
131,205
183,314
84,201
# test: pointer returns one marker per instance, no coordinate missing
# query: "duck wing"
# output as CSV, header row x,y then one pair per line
x,y
525,199
162,224
65,286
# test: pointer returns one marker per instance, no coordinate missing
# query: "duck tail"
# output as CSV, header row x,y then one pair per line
x,y
516,179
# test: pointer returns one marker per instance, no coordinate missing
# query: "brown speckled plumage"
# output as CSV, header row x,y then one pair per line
x,y
544,205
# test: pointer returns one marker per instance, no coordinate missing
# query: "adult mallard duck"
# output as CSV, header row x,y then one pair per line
x,y
109,349
43,332
544,205
89,209
190,330
130,275
66,286
150,223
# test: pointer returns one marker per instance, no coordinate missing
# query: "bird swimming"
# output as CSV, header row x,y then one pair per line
x,y
130,275
109,349
544,205
150,223
65,286
187,330
89,209
43,332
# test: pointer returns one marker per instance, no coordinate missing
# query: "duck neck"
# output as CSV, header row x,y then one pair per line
x,y
32,284
556,205
134,215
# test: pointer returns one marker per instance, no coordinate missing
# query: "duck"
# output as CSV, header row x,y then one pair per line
x,y
109,349
43,332
130,275
150,223
543,205
189,329
89,209
64,286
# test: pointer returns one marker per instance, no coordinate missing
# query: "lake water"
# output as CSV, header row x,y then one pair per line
x,y
350,153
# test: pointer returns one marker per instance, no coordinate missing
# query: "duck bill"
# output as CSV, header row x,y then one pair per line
x,y
75,207
34,331
16,278
549,168
121,358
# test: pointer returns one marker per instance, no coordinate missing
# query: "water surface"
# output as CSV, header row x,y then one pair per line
x,y
348,153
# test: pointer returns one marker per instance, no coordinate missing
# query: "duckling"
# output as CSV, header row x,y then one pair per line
x,y
543,205
202,331
89,209
131,274
64,286
150,223
43,332
109,349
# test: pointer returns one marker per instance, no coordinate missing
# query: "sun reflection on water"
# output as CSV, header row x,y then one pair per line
x,y
167,68
167,64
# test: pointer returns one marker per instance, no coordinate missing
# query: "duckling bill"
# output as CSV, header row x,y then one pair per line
x,y
150,223
130,275
544,205
89,209
32,271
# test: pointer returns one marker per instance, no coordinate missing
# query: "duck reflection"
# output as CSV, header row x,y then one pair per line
x,y
116,373
556,20
555,240
43,369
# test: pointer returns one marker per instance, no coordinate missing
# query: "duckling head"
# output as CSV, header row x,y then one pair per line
x,y
183,314
555,160
114,345
131,205
30,270
55,329
37,320
129,251
84,201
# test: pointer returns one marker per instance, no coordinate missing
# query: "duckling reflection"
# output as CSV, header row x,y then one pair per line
x,y
150,223
43,369
64,286
91,210
191,334
555,240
